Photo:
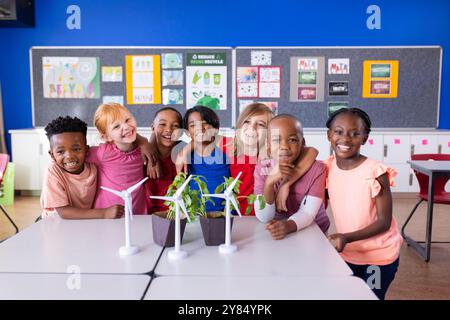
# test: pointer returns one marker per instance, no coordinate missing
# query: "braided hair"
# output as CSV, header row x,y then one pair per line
x,y
354,112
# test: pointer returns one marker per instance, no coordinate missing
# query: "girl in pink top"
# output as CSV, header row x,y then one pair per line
x,y
119,160
359,189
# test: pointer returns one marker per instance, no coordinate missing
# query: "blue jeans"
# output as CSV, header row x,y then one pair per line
x,y
387,275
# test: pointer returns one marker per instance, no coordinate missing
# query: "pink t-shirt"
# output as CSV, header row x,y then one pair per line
x,y
352,197
63,189
118,170
311,183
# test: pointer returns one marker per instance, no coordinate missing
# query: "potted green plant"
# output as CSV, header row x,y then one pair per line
x,y
213,223
163,222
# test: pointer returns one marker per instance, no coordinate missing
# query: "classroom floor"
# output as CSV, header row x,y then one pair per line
x,y
414,280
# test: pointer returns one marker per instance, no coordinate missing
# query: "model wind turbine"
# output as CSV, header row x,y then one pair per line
x,y
227,247
177,198
128,249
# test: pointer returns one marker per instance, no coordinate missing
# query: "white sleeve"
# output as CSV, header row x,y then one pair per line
x,y
307,212
266,214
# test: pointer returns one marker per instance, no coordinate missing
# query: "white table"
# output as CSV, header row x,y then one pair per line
x,y
304,253
53,245
432,169
259,288
28,286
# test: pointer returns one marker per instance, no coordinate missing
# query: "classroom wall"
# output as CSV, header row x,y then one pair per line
x,y
217,23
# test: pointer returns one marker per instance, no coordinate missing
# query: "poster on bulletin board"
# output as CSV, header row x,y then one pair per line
x,y
71,77
143,79
380,79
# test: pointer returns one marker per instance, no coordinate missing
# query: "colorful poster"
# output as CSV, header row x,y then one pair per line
x,y
206,80
172,77
269,90
335,106
307,93
247,74
262,82
143,79
307,64
172,96
113,99
172,60
261,58
247,90
269,82
112,74
338,66
380,71
380,79
338,88
380,87
308,77
270,74
71,77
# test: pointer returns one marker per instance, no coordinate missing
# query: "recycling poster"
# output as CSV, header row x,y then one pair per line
x,y
206,80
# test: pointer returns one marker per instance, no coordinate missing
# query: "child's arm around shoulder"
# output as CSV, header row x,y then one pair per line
x,y
150,155
304,163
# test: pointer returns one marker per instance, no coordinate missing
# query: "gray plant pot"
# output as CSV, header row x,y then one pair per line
x,y
164,230
214,230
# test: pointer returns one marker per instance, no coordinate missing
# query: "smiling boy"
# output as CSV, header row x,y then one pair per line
x,y
70,183
305,200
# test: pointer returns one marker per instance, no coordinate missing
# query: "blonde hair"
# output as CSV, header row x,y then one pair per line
x,y
251,110
106,114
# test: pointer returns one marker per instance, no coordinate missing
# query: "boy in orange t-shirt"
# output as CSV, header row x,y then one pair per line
x,y
70,183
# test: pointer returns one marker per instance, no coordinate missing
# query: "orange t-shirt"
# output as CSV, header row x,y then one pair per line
x,y
352,197
62,189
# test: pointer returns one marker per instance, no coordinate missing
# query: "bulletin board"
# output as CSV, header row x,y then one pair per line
x,y
76,80
399,87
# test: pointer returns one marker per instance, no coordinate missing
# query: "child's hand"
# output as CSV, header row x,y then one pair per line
x,y
114,212
182,159
282,171
338,240
282,196
154,171
280,228
151,156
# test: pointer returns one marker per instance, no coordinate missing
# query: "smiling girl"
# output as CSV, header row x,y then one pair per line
x,y
118,160
360,197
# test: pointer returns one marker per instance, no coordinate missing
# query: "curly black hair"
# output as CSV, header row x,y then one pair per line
x,y
65,124
355,112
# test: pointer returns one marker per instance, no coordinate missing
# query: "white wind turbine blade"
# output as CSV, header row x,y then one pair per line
x,y
180,191
162,198
231,186
183,208
235,205
215,195
118,193
132,188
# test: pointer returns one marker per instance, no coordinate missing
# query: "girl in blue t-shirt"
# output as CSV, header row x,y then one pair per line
x,y
206,158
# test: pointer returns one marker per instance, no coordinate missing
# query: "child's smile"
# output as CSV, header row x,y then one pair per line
x,y
68,150
346,136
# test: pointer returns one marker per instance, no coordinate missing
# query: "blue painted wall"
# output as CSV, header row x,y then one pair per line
x,y
217,23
